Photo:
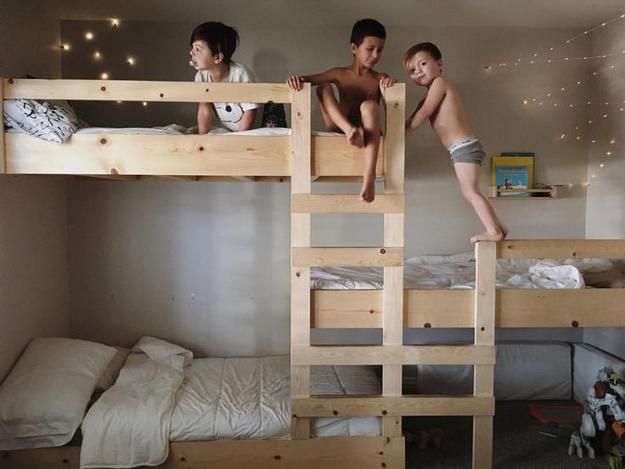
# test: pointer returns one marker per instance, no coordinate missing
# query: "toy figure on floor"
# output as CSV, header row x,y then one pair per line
x,y
603,421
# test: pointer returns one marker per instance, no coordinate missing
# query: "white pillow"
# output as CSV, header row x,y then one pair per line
x,y
51,121
44,398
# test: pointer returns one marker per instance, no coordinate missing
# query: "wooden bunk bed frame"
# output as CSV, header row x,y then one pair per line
x,y
303,157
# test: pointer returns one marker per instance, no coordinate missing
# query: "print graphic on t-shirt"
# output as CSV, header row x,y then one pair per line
x,y
229,112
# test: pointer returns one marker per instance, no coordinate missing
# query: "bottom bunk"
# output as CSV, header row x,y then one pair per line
x,y
165,408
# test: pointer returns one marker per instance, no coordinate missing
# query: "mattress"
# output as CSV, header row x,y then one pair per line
x,y
523,370
247,398
458,272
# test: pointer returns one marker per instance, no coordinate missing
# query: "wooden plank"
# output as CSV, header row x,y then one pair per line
x,y
394,143
385,256
300,238
394,355
567,248
414,405
346,308
182,155
334,453
334,156
454,308
126,154
342,203
484,375
155,91
2,142
65,457
483,442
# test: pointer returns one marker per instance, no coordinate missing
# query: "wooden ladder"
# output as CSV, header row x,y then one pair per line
x,y
392,354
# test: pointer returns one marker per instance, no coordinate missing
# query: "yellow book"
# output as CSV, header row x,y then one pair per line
x,y
513,176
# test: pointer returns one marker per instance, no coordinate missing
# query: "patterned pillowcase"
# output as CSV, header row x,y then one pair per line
x,y
51,121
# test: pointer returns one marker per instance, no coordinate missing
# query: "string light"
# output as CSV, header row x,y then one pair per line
x,y
115,22
65,46
144,103
104,76
88,35
130,61
97,55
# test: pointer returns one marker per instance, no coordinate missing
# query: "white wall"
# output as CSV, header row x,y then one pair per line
x,y
606,194
33,211
207,264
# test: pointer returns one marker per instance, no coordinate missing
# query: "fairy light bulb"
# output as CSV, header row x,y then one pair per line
x,y
104,76
115,22
97,55
88,35
130,61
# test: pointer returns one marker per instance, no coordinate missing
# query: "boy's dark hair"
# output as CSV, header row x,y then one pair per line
x,y
423,46
367,27
219,37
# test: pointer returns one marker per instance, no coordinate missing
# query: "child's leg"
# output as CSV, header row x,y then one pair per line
x,y
468,177
370,115
335,117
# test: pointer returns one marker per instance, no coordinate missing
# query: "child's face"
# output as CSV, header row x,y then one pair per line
x,y
422,68
202,58
369,51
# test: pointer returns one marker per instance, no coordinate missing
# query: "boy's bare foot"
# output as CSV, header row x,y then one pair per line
x,y
368,190
356,137
486,236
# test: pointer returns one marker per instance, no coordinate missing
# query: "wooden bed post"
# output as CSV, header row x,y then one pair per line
x,y
484,375
300,237
393,295
3,153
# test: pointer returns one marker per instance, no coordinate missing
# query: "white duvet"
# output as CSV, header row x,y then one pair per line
x,y
129,425
457,271
246,398
162,395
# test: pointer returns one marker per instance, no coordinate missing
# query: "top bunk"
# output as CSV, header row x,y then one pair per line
x,y
253,154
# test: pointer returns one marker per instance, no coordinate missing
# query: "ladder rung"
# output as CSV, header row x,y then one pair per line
x,y
346,203
393,355
358,257
379,406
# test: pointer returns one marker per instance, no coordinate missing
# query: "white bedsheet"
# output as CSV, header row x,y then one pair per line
x,y
176,129
129,425
249,398
457,271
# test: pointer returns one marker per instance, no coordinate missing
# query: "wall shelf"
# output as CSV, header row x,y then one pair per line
x,y
548,192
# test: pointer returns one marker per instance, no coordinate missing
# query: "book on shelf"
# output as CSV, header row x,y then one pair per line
x,y
512,174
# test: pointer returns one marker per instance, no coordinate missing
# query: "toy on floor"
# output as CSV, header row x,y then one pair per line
x,y
603,420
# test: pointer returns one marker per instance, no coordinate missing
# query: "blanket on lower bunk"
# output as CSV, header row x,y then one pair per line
x,y
136,409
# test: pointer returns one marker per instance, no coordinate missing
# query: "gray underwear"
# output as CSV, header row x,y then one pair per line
x,y
472,152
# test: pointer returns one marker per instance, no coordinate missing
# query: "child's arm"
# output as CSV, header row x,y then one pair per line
x,y
247,121
204,118
429,105
295,81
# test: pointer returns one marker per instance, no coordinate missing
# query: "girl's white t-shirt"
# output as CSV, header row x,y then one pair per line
x,y
230,114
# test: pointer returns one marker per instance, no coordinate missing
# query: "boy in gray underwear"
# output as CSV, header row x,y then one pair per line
x,y
442,105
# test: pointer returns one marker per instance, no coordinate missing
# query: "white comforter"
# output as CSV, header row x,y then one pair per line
x,y
457,271
129,425
245,398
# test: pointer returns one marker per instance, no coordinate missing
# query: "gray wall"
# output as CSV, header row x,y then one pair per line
x,y
33,211
606,194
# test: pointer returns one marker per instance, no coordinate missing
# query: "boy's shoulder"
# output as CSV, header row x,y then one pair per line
x,y
240,72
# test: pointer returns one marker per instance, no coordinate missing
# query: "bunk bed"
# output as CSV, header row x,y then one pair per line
x,y
298,155
303,157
